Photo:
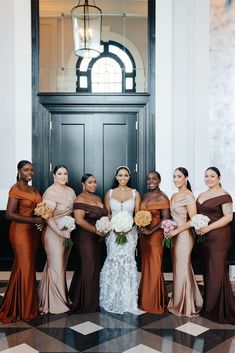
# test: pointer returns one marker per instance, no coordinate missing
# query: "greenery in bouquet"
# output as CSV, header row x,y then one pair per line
x,y
121,224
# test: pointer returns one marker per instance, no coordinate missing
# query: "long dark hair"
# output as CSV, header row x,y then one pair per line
x,y
115,182
20,165
216,170
85,177
185,173
58,167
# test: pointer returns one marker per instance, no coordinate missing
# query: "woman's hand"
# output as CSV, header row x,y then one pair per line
x,y
144,230
65,233
39,226
203,231
100,234
172,233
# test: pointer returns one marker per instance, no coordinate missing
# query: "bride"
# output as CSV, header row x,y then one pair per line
x,y
118,278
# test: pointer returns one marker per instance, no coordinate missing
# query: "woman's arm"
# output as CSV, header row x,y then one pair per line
x,y
165,214
52,223
137,201
227,217
107,203
82,222
13,215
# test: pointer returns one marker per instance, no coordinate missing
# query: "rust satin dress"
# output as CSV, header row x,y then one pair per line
x,y
21,300
152,291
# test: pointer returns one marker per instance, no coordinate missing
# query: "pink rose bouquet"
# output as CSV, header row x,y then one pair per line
x,y
167,225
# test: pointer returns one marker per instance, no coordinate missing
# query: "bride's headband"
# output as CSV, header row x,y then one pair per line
x,y
122,167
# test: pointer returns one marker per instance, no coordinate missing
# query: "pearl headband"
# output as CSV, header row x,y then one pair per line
x,y
122,167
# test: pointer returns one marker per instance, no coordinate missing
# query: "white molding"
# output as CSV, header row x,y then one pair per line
x,y
164,17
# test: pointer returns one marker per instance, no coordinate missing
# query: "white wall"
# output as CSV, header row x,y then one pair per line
x,y
222,91
182,98
15,90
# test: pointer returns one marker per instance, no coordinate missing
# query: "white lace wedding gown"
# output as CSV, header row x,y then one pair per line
x,y
119,277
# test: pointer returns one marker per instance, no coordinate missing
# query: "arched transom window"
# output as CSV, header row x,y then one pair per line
x,y
114,71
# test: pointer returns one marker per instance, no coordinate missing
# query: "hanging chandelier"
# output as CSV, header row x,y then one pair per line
x,y
86,24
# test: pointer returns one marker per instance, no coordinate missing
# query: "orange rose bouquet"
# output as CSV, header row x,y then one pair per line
x,y
143,218
43,210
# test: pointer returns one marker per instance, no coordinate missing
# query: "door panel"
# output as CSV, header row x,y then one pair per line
x,y
94,143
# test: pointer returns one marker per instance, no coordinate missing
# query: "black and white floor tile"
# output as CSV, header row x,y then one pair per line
x,y
134,332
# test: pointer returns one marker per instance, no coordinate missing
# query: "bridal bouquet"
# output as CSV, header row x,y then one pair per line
x,y
200,221
167,225
121,224
66,223
103,225
143,218
43,210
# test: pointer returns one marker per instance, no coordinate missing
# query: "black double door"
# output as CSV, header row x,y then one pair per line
x,y
94,143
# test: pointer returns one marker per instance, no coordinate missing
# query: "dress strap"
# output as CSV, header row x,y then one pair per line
x,y
133,193
110,192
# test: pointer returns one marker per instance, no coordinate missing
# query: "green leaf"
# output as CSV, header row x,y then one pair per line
x,y
121,239
167,243
201,239
67,242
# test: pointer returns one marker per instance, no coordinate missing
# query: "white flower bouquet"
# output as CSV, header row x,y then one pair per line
x,y
66,223
121,224
167,225
103,225
200,221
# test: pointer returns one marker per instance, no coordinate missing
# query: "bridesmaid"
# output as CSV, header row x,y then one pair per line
x,y
152,291
52,291
88,208
216,203
186,299
21,300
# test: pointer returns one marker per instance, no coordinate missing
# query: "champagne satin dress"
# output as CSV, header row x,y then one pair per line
x,y
21,299
152,291
186,299
52,290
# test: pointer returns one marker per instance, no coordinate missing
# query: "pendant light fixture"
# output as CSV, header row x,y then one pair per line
x,y
86,25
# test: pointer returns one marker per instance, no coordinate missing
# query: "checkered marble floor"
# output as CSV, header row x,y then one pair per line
x,y
134,332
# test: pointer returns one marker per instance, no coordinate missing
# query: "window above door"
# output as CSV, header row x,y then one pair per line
x,y
114,71
122,66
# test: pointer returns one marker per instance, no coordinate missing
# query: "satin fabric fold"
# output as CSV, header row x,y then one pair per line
x,y
152,290
21,299
84,288
52,290
186,299
219,302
